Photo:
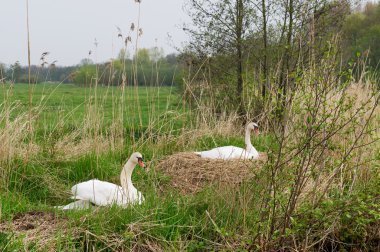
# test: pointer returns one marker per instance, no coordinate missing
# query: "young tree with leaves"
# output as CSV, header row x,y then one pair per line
x,y
221,28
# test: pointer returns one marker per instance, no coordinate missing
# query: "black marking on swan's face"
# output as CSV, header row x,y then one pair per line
x,y
137,158
253,126
140,161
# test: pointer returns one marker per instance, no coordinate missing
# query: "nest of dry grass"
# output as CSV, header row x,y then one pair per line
x,y
189,173
37,228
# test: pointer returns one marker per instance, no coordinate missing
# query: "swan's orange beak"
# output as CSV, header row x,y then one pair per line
x,y
141,163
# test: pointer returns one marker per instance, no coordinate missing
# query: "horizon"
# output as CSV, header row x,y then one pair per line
x,y
85,59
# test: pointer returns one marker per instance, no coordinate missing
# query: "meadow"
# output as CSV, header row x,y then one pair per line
x,y
72,101
316,186
82,133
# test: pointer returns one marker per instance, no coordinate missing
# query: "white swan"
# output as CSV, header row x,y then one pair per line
x,y
233,152
103,193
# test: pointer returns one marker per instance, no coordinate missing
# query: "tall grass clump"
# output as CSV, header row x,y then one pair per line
x,y
14,134
327,152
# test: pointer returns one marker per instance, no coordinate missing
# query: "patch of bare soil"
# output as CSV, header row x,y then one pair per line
x,y
42,229
190,173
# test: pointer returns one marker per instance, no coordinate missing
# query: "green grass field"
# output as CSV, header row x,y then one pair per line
x,y
44,180
82,133
73,103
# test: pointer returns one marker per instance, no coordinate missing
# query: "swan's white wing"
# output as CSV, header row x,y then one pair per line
x,y
225,152
77,205
229,152
100,193
252,153
141,198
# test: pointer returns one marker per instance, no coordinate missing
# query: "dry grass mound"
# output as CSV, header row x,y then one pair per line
x,y
189,173
41,229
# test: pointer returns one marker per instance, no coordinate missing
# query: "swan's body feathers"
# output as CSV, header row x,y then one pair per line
x,y
233,152
102,193
229,152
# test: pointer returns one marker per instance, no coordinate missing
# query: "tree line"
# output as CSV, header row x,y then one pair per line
x,y
256,50
361,33
16,73
148,67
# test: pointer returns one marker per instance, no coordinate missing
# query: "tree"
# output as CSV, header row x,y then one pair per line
x,y
142,56
294,33
220,28
156,54
86,61
362,35
2,72
171,58
15,72
264,12
123,55
85,75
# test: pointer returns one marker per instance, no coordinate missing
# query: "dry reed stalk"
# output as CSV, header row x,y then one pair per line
x,y
88,137
14,133
30,125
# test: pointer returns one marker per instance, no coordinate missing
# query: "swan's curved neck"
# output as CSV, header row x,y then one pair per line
x,y
248,144
126,176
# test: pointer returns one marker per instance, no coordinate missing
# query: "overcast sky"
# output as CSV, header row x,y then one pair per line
x,y
68,28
